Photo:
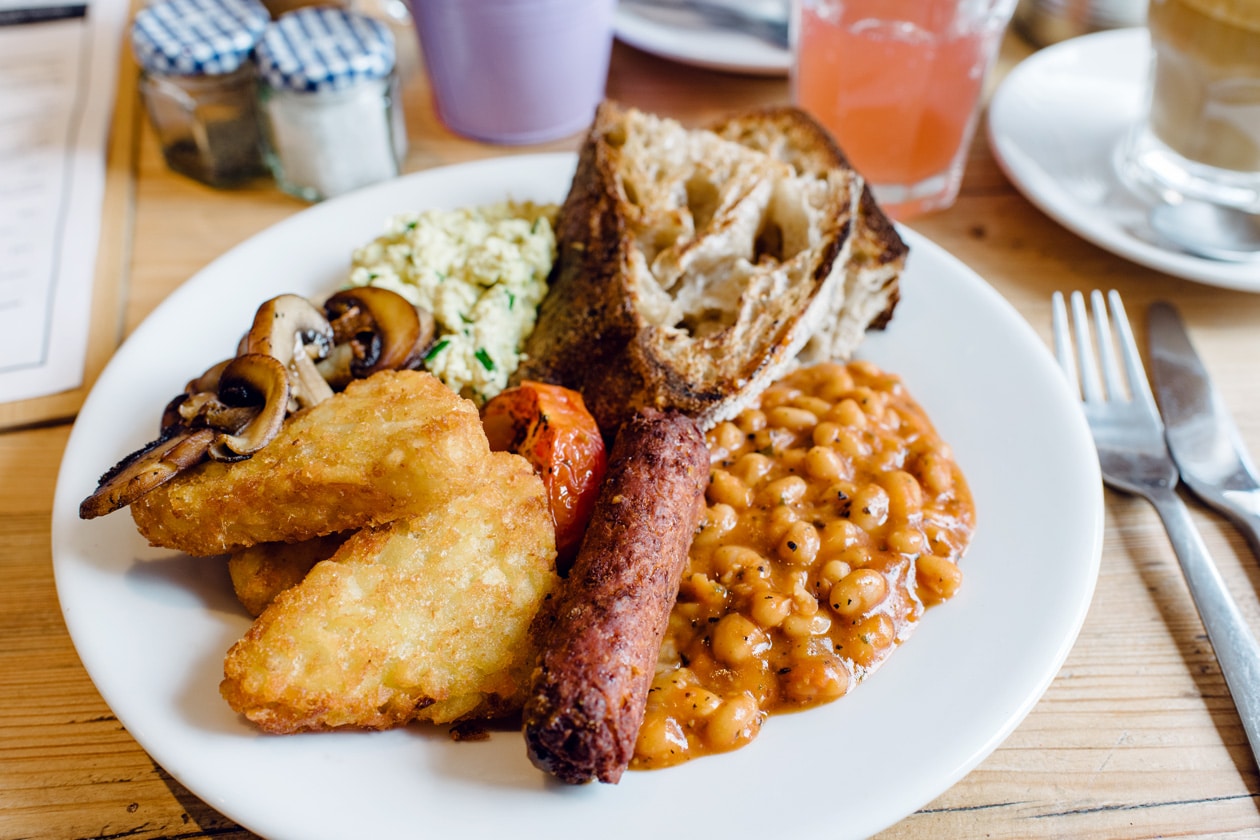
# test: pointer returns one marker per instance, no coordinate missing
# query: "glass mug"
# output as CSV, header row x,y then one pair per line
x,y
1199,137
898,83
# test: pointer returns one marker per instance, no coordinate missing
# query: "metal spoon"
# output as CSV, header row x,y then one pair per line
x,y
1209,230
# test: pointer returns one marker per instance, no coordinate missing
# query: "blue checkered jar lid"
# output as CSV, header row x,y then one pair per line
x,y
197,37
320,48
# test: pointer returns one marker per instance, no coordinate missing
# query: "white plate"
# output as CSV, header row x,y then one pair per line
x,y
690,41
1054,125
151,626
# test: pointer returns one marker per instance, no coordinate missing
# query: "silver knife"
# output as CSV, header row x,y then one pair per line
x,y
1201,434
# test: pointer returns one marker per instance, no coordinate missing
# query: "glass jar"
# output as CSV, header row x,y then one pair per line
x,y
329,102
198,85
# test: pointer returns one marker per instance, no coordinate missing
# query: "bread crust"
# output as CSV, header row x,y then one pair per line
x,y
601,330
600,638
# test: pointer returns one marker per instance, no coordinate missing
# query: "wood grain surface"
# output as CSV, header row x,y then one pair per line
x,y
1135,738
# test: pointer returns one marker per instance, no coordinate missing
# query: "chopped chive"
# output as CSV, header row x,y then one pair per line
x,y
437,348
484,358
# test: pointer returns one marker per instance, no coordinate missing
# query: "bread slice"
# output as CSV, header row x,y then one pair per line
x,y
694,265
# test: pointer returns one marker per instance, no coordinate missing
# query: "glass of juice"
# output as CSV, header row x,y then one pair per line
x,y
898,83
1200,136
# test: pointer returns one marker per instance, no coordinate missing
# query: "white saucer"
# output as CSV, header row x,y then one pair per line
x,y
1054,125
684,37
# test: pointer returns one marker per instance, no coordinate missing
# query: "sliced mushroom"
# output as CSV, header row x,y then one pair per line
x,y
284,328
382,328
149,467
259,382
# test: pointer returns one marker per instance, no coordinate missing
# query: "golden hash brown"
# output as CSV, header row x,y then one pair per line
x,y
261,572
425,619
389,446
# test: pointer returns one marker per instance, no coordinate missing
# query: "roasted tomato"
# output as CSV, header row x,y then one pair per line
x,y
551,427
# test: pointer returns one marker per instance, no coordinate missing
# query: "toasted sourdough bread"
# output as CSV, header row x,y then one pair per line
x,y
695,265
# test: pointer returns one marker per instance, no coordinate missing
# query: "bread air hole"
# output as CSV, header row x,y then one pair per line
x,y
702,201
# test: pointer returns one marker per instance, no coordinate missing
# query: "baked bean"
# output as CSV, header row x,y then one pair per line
x,y
851,443
837,535
824,464
939,576
905,496
705,591
726,489
799,545
661,740
804,626
907,541
701,701
814,405
870,507
736,722
858,592
737,640
791,418
848,413
793,460
728,436
816,680
783,491
936,474
826,433
769,609
718,521
836,516
733,561
835,383
832,572
751,420
751,467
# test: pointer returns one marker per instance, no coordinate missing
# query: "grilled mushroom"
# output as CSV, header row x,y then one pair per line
x,y
149,467
238,406
291,329
258,383
374,329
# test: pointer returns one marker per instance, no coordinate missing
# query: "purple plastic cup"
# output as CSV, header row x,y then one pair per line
x,y
516,71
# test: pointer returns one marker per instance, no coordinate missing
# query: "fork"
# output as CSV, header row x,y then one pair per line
x,y
1134,458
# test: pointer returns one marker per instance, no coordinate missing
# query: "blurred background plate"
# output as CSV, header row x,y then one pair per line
x,y
687,38
1055,124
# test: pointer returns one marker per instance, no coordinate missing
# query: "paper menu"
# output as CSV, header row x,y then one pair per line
x,y
58,65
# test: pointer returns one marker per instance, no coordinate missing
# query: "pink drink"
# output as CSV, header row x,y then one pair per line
x,y
516,71
898,83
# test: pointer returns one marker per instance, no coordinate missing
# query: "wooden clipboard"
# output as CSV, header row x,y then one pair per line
x,y
105,330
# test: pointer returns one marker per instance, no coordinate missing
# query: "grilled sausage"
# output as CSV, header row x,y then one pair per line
x,y
601,637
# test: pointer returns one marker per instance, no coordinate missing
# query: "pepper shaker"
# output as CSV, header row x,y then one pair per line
x,y
329,100
197,82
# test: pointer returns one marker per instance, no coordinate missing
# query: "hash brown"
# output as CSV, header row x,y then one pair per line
x,y
425,619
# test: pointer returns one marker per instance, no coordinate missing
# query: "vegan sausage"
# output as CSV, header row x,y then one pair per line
x,y
600,637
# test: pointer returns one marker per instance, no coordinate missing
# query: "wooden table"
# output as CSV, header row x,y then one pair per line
x,y
1136,737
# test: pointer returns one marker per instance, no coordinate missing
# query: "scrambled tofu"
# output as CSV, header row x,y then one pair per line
x,y
482,272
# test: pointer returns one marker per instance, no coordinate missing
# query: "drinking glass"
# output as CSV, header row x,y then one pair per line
x,y
1199,136
898,83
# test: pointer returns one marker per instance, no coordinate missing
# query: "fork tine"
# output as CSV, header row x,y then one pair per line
x,y
1091,390
1063,341
1139,386
1107,347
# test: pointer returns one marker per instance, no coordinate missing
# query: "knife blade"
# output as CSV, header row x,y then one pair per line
x,y
1201,434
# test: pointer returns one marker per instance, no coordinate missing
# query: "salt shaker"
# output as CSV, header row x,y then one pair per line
x,y
197,82
329,99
